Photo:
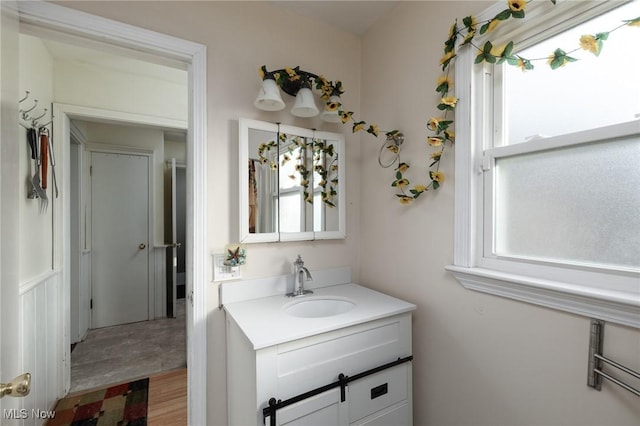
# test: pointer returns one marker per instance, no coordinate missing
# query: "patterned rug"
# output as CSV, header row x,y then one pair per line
x,y
119,405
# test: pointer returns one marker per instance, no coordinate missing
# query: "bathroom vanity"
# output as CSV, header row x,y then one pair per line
x,y
339,356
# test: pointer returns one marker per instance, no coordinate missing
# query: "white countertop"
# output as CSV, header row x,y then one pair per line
x,y
265,323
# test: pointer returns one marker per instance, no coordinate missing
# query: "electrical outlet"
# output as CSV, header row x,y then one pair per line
x,y
222,272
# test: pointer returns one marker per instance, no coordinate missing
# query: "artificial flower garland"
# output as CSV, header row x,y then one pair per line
x,y
441,126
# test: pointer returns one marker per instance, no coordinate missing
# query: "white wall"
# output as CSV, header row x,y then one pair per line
x,y
479,359
35,243
85,84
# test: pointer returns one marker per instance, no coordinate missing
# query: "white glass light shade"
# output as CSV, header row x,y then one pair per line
x,y
305,105
331,116
269,98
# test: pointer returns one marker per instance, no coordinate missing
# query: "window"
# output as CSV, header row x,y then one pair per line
x,y
548,189
291,193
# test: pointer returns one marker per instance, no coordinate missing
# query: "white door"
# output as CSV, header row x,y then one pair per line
x,y
119,238
10,320
79,273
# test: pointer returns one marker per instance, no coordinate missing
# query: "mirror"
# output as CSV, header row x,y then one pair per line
x,y
291,183
258,182
328,184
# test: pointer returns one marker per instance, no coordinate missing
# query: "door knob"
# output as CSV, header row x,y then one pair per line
x,y
142,246
177,245
20,386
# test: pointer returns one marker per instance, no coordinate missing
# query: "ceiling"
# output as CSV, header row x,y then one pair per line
x,y
354,16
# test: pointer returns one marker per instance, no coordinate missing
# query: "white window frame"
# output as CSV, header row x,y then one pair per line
x,y
596,293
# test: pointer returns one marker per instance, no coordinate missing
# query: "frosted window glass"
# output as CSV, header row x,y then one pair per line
x,y
579,204
590,93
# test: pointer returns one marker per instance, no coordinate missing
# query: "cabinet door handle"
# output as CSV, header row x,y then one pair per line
x,y
379,391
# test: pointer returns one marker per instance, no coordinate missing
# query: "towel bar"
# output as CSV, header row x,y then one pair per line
x,y
596,361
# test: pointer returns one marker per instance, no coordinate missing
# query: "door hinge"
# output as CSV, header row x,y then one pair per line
x,y
91,304
190,297
90,170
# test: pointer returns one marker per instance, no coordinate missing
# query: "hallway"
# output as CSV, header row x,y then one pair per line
x,y
115,354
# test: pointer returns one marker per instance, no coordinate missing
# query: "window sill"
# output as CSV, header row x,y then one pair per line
x,y
616,307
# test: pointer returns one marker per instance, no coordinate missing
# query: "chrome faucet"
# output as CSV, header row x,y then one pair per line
x,y
299,278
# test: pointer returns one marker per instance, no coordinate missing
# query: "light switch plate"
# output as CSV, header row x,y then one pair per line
x,y
222,272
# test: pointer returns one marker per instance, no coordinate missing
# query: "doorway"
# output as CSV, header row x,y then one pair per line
x,y
103,355
117,221
120,221
105,34
118,240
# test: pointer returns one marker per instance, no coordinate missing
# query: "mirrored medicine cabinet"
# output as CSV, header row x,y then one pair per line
x,y
291,183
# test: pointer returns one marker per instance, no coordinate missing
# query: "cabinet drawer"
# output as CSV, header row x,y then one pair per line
x,y
397,416
378,391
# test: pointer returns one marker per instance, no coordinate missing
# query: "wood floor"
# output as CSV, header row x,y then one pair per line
x,y
168,398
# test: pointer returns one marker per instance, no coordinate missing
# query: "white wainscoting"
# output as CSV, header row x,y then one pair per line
x,y
40,344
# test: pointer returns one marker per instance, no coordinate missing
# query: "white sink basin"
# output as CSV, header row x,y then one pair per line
x,y
319,307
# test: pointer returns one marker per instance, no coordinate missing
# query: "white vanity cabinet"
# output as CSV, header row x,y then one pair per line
x,y
290,368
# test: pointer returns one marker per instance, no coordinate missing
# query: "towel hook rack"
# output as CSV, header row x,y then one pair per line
x,y
34,120
30,121
596,361
25,112
25,97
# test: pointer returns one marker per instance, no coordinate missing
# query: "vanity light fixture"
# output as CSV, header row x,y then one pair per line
x,y
299,83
